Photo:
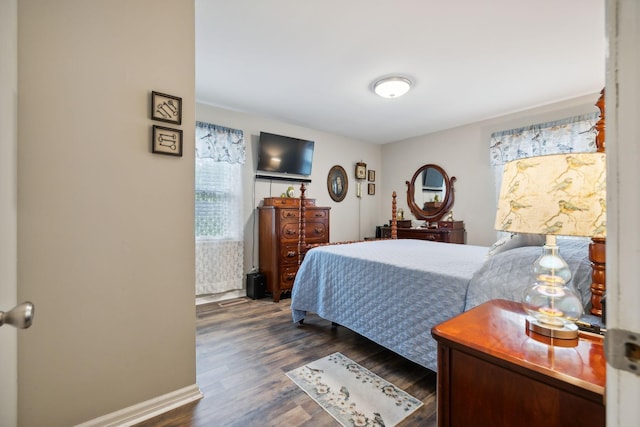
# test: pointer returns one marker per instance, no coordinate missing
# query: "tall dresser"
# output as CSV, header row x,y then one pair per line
x,y
279,219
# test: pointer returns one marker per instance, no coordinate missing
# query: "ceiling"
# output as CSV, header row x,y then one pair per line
x,y
313,63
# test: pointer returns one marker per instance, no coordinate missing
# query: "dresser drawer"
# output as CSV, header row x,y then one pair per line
x,y
311,214
290,215
289,232
287,201
289,254
422,234
433,237
288,276
451,225
316,232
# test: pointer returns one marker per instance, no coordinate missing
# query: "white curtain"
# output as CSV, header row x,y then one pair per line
x,y
220,156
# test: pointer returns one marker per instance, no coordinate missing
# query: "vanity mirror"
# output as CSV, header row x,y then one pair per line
x,y
430,193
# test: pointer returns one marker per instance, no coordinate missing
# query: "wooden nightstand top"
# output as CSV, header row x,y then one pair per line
x,y
496,331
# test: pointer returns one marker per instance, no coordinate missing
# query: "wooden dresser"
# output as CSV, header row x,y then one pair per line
x,y
279,219
493,372
446,232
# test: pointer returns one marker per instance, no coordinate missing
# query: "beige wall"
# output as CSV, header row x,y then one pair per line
x,y
105,229
352,219
463,152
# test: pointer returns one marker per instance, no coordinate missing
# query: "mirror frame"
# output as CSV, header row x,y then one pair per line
x,y
447,203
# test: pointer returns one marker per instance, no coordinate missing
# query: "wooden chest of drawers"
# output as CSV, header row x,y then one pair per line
x,y
279,222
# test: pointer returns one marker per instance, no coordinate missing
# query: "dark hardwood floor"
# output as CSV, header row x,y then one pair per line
x,y
244,348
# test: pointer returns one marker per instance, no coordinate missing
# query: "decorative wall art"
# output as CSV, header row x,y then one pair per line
x,y
337,183
166,108
372,189
371,175
166,141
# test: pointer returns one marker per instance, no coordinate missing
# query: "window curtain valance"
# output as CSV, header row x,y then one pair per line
x,y
220,143
574,134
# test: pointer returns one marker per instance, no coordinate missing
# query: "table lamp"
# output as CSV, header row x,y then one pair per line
x,y
560,194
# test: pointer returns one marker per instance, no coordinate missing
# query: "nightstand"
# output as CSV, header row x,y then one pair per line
x,y
492,373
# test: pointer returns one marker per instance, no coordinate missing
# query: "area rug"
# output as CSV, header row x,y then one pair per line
x,y
353,395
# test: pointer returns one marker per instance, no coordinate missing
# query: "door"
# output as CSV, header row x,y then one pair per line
x,y
8,210
623,235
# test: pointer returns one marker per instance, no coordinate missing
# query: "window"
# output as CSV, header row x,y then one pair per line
x,y
220,156
218,199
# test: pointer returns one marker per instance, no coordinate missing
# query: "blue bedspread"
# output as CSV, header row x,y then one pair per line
x,y
390,291
394,291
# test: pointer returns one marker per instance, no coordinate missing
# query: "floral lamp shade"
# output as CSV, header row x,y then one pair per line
x,y
561,194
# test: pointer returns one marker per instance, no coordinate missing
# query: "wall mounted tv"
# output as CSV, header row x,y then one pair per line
x,y
432,180
284,154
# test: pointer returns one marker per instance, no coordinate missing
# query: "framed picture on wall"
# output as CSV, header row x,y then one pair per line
x,y
166,141
372,175
337,183
371,189
166,108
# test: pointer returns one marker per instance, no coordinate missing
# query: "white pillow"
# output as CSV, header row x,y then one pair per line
x,y
516,240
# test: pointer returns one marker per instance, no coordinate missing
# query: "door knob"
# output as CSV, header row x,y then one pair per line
x,y
20,316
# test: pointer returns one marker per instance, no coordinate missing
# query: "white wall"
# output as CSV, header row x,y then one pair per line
x,y
8,207
352,219
463,152
105,227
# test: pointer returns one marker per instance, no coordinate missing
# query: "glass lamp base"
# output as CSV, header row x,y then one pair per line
x,y
566,332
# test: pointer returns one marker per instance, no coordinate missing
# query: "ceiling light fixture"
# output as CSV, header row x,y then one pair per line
x,y
392,87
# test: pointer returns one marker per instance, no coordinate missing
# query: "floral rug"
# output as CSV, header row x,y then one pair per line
x,y
353,395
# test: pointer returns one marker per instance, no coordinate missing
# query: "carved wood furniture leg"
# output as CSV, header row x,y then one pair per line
x,y
597,256
302,243
394,218
597,248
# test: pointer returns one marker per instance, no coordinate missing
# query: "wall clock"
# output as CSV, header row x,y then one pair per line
x,y
361,170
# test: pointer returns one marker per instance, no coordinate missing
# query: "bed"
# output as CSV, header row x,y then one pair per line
x,y
394,291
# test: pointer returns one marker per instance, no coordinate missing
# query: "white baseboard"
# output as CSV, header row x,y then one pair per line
x,y
206,299
147,409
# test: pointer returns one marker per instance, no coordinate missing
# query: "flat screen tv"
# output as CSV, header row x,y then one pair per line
x,y
284,154
432,179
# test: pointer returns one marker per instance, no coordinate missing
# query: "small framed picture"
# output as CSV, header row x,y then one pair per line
x,y
167,141
166,108
372,175
371,189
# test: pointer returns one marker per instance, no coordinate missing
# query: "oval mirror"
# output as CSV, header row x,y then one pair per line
x,y
430,193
